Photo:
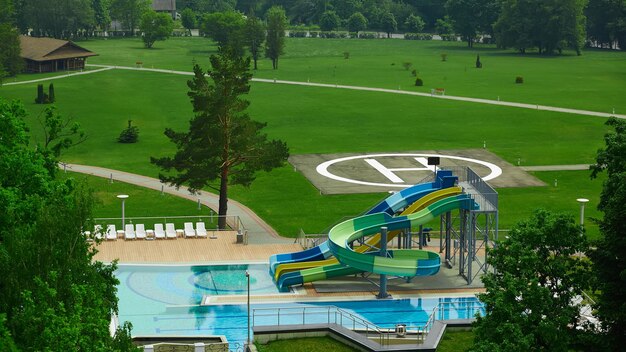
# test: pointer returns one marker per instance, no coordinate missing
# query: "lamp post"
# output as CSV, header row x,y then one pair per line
x,y
123,198
582,202
248,279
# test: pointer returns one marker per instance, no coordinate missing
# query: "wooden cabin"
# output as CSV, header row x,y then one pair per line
x,y
50,55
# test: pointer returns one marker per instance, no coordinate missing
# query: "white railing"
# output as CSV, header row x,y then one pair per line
x,y
438,313
321,315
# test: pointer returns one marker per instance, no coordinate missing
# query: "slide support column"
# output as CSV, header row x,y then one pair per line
x,y
382,292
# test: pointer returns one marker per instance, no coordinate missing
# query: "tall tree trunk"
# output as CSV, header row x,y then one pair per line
x,y
223,202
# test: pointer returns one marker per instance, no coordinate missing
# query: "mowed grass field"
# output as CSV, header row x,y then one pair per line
x,y
327,120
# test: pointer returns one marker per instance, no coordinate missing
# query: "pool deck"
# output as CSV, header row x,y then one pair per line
x,y
224,249
189,250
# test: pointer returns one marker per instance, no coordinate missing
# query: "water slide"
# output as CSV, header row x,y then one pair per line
x,y
290,274
390,206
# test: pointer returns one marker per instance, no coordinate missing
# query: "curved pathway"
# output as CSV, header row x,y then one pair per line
x,y
258,230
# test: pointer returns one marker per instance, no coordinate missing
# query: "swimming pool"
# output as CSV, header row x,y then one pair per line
x,y
187,284
166,303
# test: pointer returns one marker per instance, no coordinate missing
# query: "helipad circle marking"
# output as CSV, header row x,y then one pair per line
x,y
322,168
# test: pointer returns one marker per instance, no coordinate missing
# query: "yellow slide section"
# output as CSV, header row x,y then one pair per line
x,y
373,241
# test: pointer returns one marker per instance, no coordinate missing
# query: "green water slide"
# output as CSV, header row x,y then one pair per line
x,y
402,262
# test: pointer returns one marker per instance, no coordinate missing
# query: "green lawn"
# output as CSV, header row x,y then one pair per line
x,y
594,80
323,120
311,344
456,341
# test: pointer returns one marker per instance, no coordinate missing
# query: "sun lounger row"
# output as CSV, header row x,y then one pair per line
x,y
139,231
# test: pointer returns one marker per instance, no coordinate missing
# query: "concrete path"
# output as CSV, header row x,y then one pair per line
x,y
259,232
106,68
394,91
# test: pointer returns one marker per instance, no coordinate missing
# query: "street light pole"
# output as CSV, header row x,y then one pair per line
x,y
248,279
123,198
582,202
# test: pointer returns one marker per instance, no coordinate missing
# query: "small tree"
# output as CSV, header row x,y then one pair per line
x,y
329,21
225,28
254,36
389,24
130,134
414,23
357,22
223,143
51,97
478,63
155,26
189,19
275,43
41,98
536,275
609,259
444,26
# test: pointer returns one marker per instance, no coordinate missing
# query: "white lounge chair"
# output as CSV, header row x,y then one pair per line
x,y
140,231
129,232
189,231
111,233
170,231
159,233
97,232
200,230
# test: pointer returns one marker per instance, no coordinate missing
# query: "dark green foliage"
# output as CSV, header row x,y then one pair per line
x,y
414,23
389,24
254,36
54,296
60,133
418,36
59,19
609,256
549,26
414,73
407,65
329,21
606,23
130,134
155,26
51,96
346,55
478,63
226,28
275,42
519,79
444,26
10,59
419,82
129,12
6,341
42,98
189,19
471,17
223,143
357,22
537,273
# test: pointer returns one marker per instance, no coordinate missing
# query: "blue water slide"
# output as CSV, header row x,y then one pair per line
x,y
389,205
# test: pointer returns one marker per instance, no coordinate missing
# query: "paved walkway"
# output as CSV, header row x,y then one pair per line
x,y
339,86
259,232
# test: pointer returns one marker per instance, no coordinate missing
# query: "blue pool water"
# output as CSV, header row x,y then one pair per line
x,y
164,303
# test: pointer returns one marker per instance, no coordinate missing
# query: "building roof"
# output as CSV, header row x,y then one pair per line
x,y
44,49
164,5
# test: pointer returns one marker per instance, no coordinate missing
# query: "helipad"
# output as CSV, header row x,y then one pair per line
x,y
392,171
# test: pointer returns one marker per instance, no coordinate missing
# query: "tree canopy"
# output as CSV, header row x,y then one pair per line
x,y
155,26
357,22
549,26
129,12
472,17
225,28
536,274
254,36
329,21
47,273
275,42
223,144
609,255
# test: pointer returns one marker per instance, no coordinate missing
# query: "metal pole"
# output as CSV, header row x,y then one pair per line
x,y
382,293
582,202
248,279
123,198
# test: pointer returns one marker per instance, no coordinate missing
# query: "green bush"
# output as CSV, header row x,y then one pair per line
x,y
297,34
130,134
51,97
419,82
42,98
407,65
314,34
519,79
367,35
418,36
346,55
414,73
